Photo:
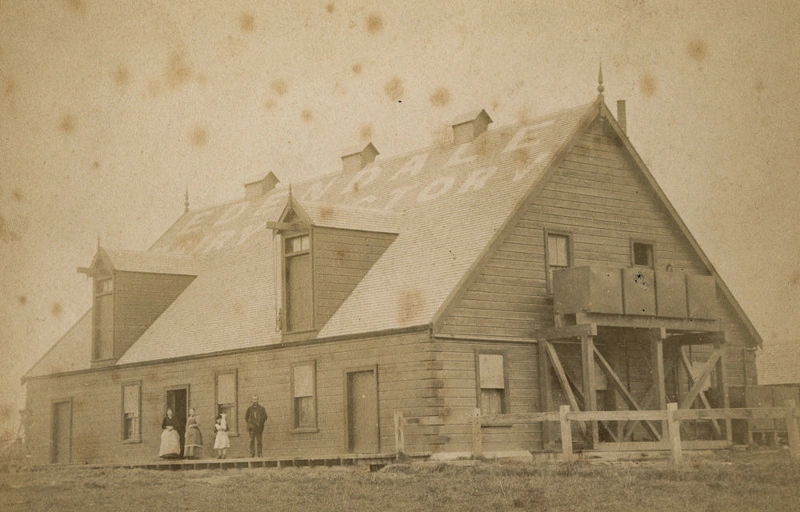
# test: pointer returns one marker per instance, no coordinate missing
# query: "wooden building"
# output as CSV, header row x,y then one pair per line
x,y
510,271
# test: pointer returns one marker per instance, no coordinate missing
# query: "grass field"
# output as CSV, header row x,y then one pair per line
x,y
720,481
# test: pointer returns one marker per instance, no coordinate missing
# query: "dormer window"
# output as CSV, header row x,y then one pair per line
x,y
298,301
103,332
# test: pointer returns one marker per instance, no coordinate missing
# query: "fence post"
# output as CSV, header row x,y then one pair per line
x,y
566,433
792,430
399,435
477,441
674,428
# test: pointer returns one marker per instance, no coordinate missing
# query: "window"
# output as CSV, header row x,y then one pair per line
x,y
297,284
642,254
491,384
131,411
558,254
103,318
304,396
226,399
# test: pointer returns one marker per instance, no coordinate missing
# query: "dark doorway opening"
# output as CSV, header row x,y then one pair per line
x,y
177,399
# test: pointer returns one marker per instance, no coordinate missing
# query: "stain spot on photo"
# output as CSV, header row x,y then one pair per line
x,y
95,165
374,23
270,104
5,413
697,50
56,309
326,213
647,85
22,299
67,124
6,234
330,7
247,22
279,87
9,87
760,86
178,71
794,278
121,76
394,89
365,134
17,195
440,97
410,306
356,68
199,137
78,6
307,116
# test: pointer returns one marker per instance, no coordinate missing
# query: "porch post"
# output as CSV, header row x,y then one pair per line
x,y
589,394
545,393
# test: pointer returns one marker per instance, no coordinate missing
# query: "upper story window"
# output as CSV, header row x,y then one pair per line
x,y
103,319
298,297
642,254
558,254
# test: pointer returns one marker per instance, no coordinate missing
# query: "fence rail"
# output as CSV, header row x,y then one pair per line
x,y
671,418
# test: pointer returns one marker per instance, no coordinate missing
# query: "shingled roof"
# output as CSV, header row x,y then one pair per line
x,y
446,203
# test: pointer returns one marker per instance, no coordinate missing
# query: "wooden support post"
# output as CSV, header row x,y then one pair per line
x,y
792,429
545,395
657,355
674,428
477,441
589,394
566,433
722,387
399,435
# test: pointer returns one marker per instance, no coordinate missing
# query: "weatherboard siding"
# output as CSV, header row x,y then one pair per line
x,y
406,382
341,260
139,299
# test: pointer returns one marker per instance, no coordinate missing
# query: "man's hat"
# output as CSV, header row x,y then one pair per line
x,y
255,398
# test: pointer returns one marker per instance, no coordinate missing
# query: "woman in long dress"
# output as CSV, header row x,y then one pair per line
x,y
193,447
170,439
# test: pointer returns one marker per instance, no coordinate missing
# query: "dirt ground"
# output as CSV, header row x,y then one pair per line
x,y
720,481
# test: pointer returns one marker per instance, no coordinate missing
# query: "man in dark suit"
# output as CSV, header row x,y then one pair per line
x,y
255,417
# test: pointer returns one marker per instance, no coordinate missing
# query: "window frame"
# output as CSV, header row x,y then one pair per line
x,y
651,244
504,401
233,430
547,265
296,427
97,292
137,438
285,256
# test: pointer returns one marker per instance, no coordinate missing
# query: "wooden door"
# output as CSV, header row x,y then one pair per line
x,y
362,412
62,433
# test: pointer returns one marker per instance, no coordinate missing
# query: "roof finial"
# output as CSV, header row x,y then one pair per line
x,y
290,190
186,201
600,87
98,240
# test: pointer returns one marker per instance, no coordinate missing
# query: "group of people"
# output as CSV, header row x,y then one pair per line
x,y
171,430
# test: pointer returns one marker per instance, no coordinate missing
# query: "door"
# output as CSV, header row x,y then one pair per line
x,y
62,433
362,412
178,400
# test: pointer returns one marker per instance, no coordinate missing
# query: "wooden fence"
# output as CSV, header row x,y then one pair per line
x,y
671,418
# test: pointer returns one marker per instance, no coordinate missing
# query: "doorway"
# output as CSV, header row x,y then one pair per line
x,y
177,399
62,433
362,412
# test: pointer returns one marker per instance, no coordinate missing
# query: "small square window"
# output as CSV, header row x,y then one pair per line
x,y
298,244
642,254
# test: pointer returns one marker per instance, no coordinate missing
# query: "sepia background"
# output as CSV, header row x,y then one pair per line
x,y
110,111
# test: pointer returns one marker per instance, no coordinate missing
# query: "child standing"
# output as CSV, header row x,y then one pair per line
x,y
222,442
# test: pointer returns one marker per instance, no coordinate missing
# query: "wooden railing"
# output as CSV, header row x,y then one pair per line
x,y
671,418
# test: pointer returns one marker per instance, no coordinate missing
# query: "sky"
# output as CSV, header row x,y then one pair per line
x,y
111,111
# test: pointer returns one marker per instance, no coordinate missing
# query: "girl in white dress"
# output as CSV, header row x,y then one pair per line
x,y
222,442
